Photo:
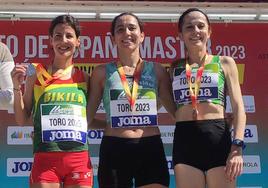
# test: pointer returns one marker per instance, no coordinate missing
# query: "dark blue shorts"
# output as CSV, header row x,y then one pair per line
x,y
127,161
203,144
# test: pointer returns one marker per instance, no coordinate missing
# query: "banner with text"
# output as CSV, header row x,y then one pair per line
x,y
245,42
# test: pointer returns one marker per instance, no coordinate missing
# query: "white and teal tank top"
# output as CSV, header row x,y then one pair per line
x,y
117,107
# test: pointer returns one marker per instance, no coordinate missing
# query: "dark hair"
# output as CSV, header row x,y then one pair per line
x,y
65,19
124,14
181,19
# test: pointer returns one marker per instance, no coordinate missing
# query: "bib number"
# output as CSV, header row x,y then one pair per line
x,y
143,114
63,123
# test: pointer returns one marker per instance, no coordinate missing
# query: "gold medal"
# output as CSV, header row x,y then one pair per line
x,y
131,96
194,93
195,113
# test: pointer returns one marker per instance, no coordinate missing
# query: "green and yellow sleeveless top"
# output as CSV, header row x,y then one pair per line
x,y
59,114
212,87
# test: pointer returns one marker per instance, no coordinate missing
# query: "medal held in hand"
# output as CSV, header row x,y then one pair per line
x,y
197,83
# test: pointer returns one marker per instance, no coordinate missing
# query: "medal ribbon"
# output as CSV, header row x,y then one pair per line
x,y
199,73
44,77
131,96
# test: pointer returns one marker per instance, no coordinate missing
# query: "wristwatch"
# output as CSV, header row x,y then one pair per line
x,y
239,143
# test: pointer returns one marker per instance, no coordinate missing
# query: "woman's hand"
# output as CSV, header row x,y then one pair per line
x,y
234,163
17,75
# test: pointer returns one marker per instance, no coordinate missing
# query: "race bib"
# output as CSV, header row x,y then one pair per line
x,y
143,114
209,85
63,123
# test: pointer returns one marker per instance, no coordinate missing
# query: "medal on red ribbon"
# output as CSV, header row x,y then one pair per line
x,y
44,77
197,83
131,96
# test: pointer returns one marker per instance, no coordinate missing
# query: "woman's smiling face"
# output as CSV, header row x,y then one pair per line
x,y
195,30
127,33
64,40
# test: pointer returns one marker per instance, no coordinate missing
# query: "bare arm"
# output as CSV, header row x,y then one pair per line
x,y
22,103
165,90
234,163
234,91
96,87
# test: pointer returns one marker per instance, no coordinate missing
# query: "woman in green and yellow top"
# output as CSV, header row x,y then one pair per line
x,y
55,96
203,153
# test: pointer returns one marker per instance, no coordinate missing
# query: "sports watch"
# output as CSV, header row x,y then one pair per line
x,y
239,143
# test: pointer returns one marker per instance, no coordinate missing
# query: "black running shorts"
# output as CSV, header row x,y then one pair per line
x,y
203,144
127,161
